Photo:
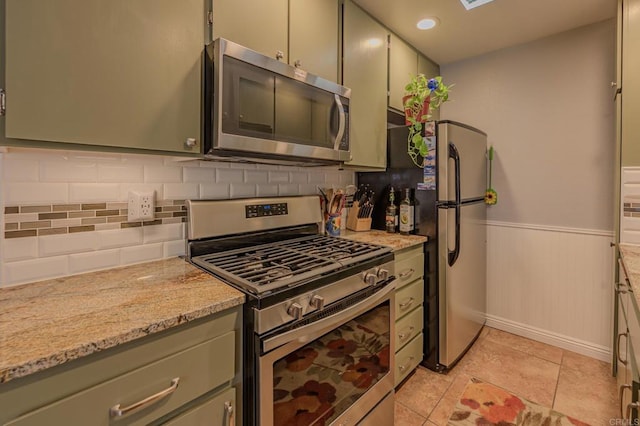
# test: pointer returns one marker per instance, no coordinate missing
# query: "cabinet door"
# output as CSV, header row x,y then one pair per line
x,y
313,36
403,64
430,69
113,73
630,83
219,410
258,25
365,72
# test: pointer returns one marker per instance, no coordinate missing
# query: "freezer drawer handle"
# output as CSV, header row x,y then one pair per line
x,y
622,389
116,411
453,153
405,366
406,304
407,273
626,336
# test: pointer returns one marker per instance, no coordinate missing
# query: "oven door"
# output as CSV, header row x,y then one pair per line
x,y
333,370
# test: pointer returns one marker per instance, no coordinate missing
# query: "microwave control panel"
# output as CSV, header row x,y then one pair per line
x,y
261,210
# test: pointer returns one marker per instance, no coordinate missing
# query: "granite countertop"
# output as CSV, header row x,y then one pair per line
x,y
630,254
51,322
395,241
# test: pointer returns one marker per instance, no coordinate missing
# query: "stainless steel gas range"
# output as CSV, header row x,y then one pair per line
x,y
319,314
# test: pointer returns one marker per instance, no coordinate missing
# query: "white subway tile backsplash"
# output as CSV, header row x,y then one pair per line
x,y
20,170
256,176
174,248
94,261
347,178
55,245
308,189
126,187
216,191
316,177
35,269
298,177
332,177
288,189
278,177
20,249
154,234
267,190
68,171
229,175
119,237
181,191
120,173
138,254
93,192
35,193
242,190
630,175
199,175
162,174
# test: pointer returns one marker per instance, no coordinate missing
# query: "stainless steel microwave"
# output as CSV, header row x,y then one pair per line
x,y
258,107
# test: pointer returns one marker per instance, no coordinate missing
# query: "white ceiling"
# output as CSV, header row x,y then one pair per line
x,y
502,23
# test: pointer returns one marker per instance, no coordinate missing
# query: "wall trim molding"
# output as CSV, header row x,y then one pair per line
x,y
567,230
576,345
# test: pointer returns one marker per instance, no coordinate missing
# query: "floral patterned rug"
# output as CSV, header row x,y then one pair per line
x,y
482,404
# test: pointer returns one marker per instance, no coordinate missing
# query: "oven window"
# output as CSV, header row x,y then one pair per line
x,y
318,382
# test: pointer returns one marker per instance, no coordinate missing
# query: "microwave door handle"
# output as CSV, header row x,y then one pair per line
x,y
341,123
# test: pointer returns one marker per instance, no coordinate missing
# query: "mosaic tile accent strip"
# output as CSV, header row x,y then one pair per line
x,y
32,221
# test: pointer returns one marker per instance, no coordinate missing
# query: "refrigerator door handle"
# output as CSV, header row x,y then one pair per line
x,y
453,254
453,153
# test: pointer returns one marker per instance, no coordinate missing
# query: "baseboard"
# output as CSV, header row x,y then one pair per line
x,y
585,348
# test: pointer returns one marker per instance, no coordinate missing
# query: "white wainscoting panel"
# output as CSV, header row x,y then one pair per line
x,y
552,285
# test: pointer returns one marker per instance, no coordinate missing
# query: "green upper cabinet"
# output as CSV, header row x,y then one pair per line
x,y
630,83
115,73
365,72
314,36
302,32
403,64
430,69
259,25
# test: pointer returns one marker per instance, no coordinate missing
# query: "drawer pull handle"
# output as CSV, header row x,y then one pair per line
x,y
622,389
623,362
407,273
116,411
406,304
231,415
403,336
631,405
621,288
405,366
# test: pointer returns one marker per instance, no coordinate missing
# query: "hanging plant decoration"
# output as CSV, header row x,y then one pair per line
x,y
422,96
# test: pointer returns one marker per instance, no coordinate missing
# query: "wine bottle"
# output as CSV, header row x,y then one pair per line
x,y
407,213
391,214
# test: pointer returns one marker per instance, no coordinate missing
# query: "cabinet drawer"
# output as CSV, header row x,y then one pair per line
x,y
409,297
210,412
409,269
199,369
408,359
409,327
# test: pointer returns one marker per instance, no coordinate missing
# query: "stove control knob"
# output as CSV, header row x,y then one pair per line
x,y
370,278
383,274
295,310
317,302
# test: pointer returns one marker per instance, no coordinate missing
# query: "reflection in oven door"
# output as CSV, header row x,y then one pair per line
x,y
333,370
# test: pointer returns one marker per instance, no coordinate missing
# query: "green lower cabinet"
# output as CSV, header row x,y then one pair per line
x,y
408,358
219,410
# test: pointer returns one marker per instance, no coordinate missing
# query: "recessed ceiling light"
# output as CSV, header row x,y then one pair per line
x,y
427,23
470,4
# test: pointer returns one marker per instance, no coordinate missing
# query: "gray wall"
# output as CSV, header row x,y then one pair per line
x,y
548,109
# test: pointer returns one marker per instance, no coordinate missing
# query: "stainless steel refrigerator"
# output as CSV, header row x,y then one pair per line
x,y
451,212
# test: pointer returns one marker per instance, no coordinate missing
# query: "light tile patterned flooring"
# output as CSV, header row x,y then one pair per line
x,y
573,384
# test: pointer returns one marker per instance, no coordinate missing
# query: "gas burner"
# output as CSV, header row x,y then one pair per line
x,y
276,274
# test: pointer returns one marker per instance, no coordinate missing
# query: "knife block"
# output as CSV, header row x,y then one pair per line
x,y
355,223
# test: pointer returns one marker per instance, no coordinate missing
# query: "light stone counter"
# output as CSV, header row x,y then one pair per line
x,y
395,241
51,322
630,254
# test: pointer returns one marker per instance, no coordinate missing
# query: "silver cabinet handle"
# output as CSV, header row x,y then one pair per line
x,y
621,288
407,273
626,336
116,411
622,389
403,336
279,54
230,413
630,406
405,366
406,304
297,63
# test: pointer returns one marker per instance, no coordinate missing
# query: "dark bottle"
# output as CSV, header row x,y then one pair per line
x,y
391,213
407,213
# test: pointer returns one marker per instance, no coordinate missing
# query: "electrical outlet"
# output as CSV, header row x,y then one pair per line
x,y
142,206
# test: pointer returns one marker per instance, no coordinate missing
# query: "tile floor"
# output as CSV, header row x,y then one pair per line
x,y
573,384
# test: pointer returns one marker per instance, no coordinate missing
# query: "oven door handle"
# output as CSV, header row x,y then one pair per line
x,y
309,332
